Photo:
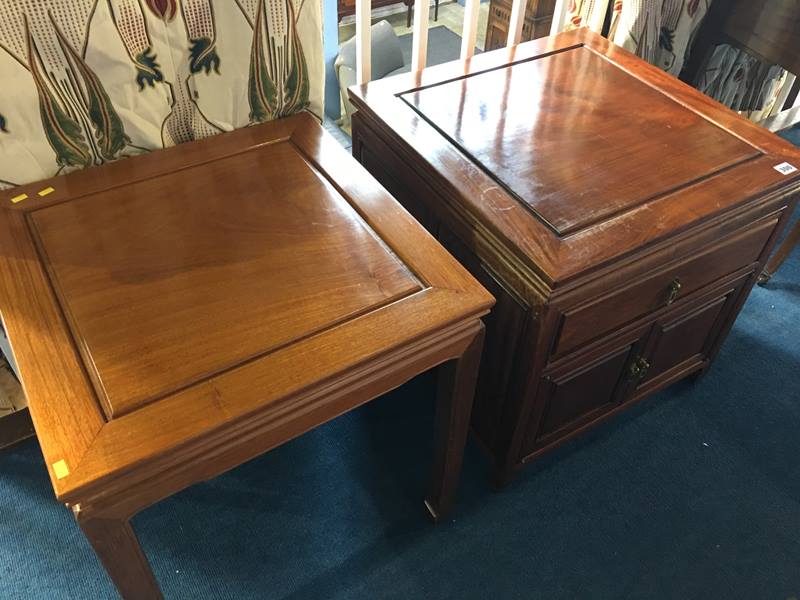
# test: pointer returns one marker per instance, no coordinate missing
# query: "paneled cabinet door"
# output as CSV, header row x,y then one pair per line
x,y
682,341
580,395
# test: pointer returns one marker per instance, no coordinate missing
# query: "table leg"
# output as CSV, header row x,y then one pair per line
x,y
456,391
119,551
792,239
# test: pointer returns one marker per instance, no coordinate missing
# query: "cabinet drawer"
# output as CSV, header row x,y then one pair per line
x,y
589,321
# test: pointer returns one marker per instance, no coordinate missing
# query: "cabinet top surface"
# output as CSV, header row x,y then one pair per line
x,y
576,139
170,275
573,150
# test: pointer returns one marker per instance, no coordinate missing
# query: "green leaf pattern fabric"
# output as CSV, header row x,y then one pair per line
x,y
85,82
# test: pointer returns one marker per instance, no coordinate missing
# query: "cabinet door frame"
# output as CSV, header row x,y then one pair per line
x,y
632,343
730,292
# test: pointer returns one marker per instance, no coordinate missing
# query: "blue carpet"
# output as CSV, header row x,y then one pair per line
x,y
443,45
694,493
792,134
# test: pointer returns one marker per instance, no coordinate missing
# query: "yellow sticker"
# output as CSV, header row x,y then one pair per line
x,y
19,198
46,191
61,469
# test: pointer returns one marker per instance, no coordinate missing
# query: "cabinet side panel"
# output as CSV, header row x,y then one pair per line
x,y
505,325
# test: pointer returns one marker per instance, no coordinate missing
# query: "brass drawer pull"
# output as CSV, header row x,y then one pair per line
x,y
638,369
673,289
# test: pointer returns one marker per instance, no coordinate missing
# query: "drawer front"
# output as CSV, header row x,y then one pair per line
x,y
601,316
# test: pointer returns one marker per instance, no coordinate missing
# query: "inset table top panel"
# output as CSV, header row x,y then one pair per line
x,y
561,132
196,295
171,280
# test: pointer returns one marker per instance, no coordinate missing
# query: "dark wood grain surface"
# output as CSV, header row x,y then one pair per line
x,y
663,181
574,161
619,216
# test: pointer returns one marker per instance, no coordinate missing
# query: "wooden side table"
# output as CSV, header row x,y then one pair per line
x,y
243,289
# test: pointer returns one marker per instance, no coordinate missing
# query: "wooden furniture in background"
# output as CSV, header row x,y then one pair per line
x,y
538,17
347,8
770,31
242,289
767,29
619,216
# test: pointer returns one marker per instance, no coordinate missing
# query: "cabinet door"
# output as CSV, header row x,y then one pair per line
x,y
682,340
570,400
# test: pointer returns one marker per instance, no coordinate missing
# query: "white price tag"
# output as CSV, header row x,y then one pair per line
x,y
785,168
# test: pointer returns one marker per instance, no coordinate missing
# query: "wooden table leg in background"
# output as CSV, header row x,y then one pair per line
x,y
119,551
783,251
456,390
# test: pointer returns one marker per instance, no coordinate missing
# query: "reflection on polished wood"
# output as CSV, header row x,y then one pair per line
x,y
619,216
235,270
176,314
547,111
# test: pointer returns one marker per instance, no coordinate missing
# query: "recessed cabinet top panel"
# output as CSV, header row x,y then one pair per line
x,y
576,138
173,279
569,152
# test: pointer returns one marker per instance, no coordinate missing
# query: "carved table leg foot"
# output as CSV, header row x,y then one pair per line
x,y
119,551
456,383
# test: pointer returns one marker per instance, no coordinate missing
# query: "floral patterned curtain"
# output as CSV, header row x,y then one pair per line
x,y
659,31
741,81
85,82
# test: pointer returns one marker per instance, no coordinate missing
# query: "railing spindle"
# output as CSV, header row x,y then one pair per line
x,y
419,47
559,17
363,41
783,95
597,20
470,31
515,22
796,100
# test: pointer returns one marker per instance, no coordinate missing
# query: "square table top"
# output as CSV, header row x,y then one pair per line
x,y
573,150
197,285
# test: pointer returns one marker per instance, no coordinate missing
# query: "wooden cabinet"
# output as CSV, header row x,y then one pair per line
x,y
538,17
592,384
618,216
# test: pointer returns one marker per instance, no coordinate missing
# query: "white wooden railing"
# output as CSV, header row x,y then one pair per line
x,y
419,48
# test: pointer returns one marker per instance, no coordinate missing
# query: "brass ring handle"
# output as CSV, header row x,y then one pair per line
x,y
638,369
673,289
